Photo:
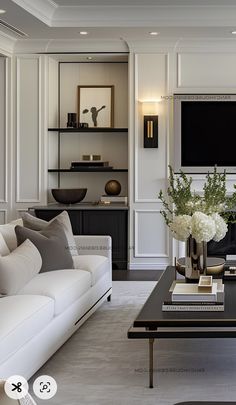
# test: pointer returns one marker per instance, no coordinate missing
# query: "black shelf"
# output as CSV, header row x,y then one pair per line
x,y
90,169
74,130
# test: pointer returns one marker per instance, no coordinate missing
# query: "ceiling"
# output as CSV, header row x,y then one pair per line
x,y
118,19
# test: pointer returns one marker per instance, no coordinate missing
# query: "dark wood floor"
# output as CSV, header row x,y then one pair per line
x,y
136,275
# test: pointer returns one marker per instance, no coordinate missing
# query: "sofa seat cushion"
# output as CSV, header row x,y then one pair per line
x,y
96,265
22,317
63,286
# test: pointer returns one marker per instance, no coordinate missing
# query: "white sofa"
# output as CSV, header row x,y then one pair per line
x,y
52,306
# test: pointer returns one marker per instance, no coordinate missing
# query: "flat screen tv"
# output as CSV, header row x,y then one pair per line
x,y
204,132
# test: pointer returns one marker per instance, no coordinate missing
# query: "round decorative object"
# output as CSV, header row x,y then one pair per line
x,y
113,187
69,195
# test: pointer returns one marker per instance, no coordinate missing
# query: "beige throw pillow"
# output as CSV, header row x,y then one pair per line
x,y
8,233
37,224
4,251
19,267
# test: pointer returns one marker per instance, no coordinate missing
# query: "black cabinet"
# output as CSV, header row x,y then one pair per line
x,y
113,223
92,221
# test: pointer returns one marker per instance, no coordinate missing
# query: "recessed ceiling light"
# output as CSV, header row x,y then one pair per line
x,y
89,58
83,33
153,33
233,32
2,11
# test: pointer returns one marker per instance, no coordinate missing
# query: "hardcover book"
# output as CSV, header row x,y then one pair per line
x,y
183,306
114,199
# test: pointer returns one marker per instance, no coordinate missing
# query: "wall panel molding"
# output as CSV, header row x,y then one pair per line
x,y
5,128
138,129
28,130
150,234
3,216
147,266
201,70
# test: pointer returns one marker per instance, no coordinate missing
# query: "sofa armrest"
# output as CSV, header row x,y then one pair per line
x,y
94,245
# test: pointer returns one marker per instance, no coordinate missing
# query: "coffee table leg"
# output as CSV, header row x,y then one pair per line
x,y
151,342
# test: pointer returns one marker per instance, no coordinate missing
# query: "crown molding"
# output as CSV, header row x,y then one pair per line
x,y
41,9
123,45
75,45
7,44
222,45
152,45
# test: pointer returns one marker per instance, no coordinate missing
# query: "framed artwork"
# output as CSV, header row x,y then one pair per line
x,y
96,105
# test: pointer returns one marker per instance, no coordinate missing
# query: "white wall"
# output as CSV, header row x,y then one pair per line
x,y
155,69
149,244
160,70
29,134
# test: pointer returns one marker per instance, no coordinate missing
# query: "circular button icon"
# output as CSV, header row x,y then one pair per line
x,y
45,387
16,387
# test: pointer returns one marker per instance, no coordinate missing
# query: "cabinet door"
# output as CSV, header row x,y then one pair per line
x,y
113,223
75,218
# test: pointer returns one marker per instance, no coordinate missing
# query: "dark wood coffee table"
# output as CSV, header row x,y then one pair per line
x,y
152,323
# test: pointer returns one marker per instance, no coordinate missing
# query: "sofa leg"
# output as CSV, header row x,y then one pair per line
x,y
109,298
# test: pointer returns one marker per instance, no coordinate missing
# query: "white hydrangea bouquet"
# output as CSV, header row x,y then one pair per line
x,y
203,217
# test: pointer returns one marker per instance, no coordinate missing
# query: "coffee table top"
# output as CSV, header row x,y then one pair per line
x,y
152,316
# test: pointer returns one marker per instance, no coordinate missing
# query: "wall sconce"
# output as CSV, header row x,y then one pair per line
x,y
150,129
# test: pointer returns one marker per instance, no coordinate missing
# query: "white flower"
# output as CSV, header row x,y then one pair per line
x,y
181,227
221,227
203,227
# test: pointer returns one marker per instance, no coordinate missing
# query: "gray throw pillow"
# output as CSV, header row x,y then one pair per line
x,y
51,243
37,224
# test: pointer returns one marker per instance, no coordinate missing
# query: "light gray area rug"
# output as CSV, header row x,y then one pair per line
x,y
100,366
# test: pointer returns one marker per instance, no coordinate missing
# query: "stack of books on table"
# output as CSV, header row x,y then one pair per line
x,y
192,297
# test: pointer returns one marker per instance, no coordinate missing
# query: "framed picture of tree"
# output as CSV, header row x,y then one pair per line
x,y
96,106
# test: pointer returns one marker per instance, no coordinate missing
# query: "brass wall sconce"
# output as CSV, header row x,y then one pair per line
x,y
150,128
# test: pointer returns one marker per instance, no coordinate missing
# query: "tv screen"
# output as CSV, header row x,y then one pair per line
x,y
204,132
208,133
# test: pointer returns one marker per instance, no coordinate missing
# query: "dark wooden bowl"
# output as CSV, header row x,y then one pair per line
x,y
69,195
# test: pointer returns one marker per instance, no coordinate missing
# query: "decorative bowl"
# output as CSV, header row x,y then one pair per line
x,y
69,195
215,265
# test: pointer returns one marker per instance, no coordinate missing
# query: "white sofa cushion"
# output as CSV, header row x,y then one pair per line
x,y
64,286
3,247
37,224
8,232
96,265
19,267
22,317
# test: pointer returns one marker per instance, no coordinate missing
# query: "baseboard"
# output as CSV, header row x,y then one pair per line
x,y
146,266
